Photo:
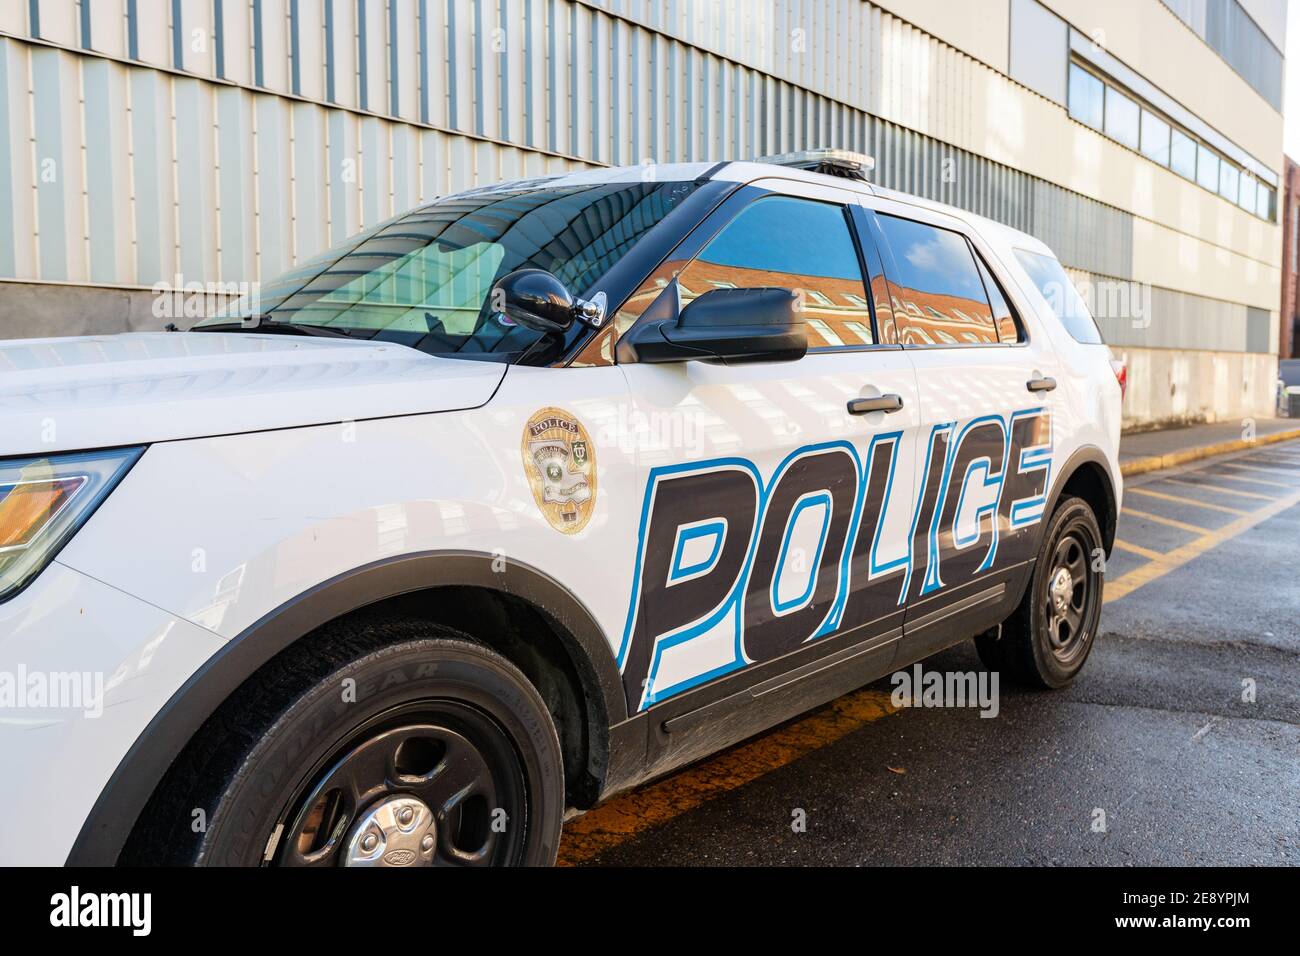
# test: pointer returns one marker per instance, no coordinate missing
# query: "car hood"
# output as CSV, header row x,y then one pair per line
x,y
98,391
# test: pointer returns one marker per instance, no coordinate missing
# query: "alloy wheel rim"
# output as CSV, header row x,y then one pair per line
x,y
1070,595
432,783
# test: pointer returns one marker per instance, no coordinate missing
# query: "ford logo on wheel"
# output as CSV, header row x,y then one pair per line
x,y
399,857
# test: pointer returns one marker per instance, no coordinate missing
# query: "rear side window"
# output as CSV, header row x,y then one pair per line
x,y
939,292
1003,317
1061,295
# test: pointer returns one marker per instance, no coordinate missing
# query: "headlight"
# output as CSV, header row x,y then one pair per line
x,y
43,501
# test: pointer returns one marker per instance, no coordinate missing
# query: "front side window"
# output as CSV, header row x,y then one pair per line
x,y
790,243
942,295
423,278
1061,295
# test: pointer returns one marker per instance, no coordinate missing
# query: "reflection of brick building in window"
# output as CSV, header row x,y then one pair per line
x,y
934,319
836,310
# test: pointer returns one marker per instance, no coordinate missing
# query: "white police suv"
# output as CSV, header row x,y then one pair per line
x,y
525,496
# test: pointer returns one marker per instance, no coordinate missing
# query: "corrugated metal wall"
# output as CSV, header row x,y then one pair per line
x,y
227,139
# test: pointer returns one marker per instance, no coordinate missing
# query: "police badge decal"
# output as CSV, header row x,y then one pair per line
x,y
560,462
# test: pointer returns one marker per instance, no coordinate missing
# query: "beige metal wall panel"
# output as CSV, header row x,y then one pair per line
x,y
196,179
373,37
153,32
107,27
310,172
198,39
1176,260
311,51
237,41
58,21
979,28
275,45
406,49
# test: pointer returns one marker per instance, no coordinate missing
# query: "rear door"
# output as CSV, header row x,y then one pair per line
x,y
984,452
774,521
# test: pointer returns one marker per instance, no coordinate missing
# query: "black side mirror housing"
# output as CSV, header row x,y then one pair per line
x,y
731,326
534,299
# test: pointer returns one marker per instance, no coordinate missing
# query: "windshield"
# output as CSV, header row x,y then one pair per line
x,y
423,278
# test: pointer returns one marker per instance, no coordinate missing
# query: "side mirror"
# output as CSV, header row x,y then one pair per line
x,y
534,299
731,326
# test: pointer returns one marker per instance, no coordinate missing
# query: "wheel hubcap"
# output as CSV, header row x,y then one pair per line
x,y
396,831
1062,589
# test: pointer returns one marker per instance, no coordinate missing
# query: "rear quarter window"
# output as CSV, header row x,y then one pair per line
x,y
1061,295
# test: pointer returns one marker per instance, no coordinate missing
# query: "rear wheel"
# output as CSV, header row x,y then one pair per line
x,y
383,744
1049,636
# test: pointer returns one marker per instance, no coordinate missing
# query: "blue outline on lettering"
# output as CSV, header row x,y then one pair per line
x,y
688,532
1033,458
933,572
809,500
935,431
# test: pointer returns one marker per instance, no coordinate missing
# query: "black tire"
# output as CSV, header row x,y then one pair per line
x,y
293,754
1042,643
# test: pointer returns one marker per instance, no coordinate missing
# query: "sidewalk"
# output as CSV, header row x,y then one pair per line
x,y
1150,451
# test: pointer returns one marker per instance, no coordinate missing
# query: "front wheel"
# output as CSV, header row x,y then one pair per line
x,y
1049,636
386,744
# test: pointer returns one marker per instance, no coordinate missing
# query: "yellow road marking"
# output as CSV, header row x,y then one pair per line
x,y
1137,549
1179,499
1160,519
1285,471
625,816
1255,481
1158,567
1218,488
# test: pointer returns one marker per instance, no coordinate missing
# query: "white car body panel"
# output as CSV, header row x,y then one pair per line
x,y
58,759
101,391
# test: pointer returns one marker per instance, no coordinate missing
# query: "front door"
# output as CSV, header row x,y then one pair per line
x,y
777,497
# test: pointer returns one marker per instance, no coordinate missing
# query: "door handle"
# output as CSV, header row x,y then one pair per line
x,y
885,403
1044,384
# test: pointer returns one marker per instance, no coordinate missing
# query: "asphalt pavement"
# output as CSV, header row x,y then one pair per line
x,y
1178,745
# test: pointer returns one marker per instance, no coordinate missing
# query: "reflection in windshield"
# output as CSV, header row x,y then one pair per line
x,y
423,278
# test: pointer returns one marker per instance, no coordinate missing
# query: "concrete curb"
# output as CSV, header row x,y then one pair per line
x,y
1140,466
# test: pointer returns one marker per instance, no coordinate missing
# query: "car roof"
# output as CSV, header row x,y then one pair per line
x,y
745,171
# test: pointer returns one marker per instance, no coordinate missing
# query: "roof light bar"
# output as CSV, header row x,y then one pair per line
x,y
832,162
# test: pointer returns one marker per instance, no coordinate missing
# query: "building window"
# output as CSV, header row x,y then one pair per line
x,y
1207,168
1182,155
1096,103
1155,138
1121,118
1229,184
1087,103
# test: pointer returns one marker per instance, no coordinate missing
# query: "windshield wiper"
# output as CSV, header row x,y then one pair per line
x,y
274,327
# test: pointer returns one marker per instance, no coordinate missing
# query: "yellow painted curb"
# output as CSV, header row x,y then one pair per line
x,y
1140,466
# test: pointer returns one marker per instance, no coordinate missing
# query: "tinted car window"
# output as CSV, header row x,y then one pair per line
x,y
797,244
1061,295
1003,317
940,295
